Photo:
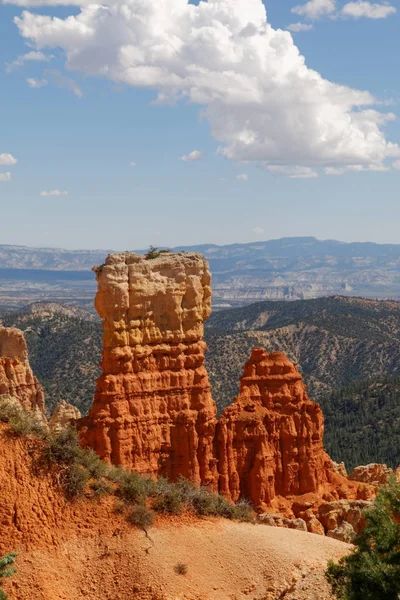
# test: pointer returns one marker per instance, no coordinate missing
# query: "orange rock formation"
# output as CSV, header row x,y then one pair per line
x,y
153,411
270,439
16,377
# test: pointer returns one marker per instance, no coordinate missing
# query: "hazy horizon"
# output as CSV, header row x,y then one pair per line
x,y
249,242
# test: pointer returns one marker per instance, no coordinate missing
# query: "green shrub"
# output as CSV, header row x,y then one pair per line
x,y
154,252
117,474
101,487
244,512
21,421
372,570
169,501
93,463
136,488
6,570
203,502
142,517
74,481
119,508
64,448
186,486
180,568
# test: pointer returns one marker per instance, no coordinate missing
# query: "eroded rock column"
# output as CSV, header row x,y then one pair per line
x,y
269,441
16,377
153,411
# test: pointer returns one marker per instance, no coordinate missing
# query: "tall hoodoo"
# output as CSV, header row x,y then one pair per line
x,y
16,377
269,440
153,411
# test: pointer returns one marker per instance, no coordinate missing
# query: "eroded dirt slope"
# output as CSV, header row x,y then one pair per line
x,y
85,551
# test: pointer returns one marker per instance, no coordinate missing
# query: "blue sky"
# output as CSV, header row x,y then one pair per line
x,y
90,115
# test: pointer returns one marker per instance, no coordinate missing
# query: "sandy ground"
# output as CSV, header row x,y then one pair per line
x,y
224,560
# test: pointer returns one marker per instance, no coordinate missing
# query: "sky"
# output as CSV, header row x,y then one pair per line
x,y
168,122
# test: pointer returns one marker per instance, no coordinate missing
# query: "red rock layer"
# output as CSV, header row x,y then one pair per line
x,y
153,411
16,377
269,441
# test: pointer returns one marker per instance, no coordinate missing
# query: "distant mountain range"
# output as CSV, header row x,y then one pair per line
x,y
285,269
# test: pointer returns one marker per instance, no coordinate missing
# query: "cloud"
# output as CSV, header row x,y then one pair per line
x,y
357,169
263,104
36,83
258,230
298,27
295,172
5,176
35,3
7,160
132,164
242,177
54,193
315,9
30,56
396,165
63,82
192,156
367,9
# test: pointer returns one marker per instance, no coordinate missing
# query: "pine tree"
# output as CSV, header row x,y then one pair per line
x,y
372,570
6,571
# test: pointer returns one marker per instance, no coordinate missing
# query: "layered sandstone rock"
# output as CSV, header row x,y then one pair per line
x,y
374,473
340,468
270,439
16,377
153,411
64,415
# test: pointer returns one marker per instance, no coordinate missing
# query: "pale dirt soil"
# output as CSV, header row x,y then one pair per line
x,y
225,561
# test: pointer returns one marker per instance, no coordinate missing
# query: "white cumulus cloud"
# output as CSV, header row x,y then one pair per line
x,y
314,9
7,160
396,165
298,27
132,164
53,193
367,9
295,172
242,177
357,169
258,230
263,103
5,176
28,57
192,156
36,83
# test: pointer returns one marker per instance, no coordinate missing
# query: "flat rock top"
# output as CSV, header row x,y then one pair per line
x,y
130,258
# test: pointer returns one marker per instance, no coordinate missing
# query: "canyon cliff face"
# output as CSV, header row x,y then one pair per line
x,y
16,377
153,411
269,441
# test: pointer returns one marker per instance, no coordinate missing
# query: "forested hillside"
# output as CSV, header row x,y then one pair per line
x,y
335,341
64,351
362,422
